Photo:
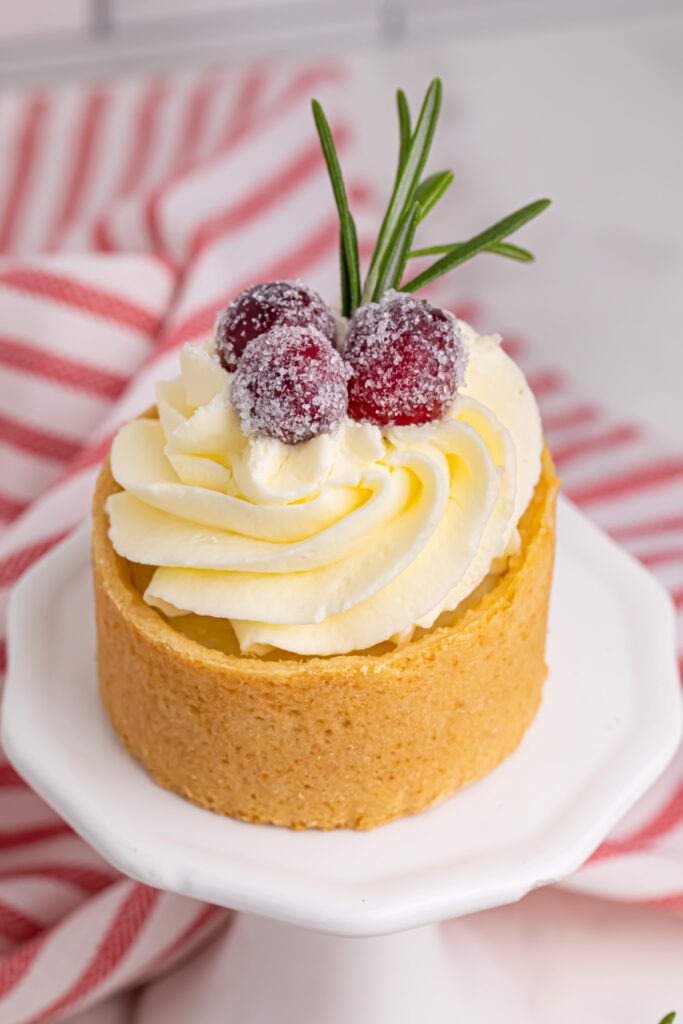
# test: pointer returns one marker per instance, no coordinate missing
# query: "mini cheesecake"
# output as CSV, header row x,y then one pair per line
x,y
348,741
322,563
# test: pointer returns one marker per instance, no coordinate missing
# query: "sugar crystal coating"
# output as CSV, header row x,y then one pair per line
x,y
256,310
405,361
290,384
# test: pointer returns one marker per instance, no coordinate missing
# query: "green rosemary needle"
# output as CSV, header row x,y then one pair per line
x,y
512,252
350,272
479,243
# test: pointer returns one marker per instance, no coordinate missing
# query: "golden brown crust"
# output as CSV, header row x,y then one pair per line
x,y
346,741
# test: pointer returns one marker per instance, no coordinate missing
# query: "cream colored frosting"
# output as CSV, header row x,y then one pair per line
x,y
336,544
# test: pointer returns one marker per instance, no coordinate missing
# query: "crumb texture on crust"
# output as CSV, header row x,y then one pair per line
x,y
348,741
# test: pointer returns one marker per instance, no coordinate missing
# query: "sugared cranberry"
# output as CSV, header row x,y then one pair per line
x,y
405,361
290,384
263,306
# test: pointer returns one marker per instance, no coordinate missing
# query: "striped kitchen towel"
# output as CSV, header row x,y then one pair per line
x,y
129,213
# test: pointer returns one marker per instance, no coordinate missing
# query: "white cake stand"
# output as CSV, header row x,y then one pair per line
x,y
339,928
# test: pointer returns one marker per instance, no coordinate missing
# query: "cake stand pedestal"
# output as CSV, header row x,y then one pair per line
x,y
263,971
342,927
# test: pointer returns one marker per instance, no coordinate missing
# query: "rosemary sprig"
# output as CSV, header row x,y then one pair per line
x,y
411,201
350,271
496,233
669,1019
513,252
406,183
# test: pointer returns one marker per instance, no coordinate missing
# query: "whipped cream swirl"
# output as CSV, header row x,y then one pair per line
x,y
337,544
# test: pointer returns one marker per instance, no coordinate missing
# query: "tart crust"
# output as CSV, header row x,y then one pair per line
x,y
348,741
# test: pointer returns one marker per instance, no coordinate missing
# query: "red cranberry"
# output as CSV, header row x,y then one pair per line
x,y
290,384
405,361
263,306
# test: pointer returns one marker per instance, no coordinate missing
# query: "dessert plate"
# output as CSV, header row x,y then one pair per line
x,y
609,723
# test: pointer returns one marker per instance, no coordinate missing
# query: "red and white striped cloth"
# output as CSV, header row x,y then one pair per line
x,y
128,215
